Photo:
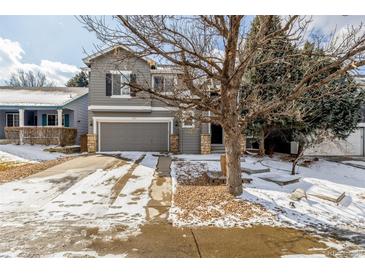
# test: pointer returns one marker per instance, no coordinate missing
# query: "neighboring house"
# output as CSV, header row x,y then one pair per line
x,y
354,145
43,107
121,119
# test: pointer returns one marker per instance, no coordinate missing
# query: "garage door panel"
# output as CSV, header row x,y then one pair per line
x,y
134,136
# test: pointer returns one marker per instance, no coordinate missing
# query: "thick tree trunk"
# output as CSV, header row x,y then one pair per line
x,y
233,156
243,143
262,143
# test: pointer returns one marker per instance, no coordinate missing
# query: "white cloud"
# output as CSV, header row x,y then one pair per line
x,y
330,23
11,56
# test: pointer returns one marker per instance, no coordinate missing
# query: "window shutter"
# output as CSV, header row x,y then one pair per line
x,y
133,81
44,120
67,120
108,84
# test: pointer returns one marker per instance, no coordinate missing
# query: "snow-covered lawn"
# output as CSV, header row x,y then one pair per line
x,y
347,216
26,153
66,202
10,158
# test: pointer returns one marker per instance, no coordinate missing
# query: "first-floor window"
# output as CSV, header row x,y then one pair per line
x,y
51,120
12,119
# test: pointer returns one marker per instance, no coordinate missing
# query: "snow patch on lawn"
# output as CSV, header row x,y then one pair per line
x,y
29,152
6,158
348,215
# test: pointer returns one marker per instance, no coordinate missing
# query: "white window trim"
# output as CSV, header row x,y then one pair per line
x,y
125,96
56,120
12,113
164,83
98,120
192,123
131,108
63,119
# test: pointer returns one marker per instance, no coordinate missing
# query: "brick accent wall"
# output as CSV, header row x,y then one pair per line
x,y
174,143
205,144
88,143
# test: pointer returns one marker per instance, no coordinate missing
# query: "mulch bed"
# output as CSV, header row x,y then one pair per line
x,y
212,202
198,199
22,171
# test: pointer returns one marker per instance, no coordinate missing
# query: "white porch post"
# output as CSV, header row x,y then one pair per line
x,y
21,117
59,117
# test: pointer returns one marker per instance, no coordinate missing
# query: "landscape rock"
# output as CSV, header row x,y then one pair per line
x,y
298,194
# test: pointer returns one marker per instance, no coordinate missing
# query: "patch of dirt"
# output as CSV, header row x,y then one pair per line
x,y
21,171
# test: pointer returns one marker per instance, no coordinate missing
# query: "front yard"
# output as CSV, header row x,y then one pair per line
x,y
196,203
121,205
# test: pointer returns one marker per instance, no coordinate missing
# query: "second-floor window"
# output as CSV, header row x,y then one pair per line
x,y
117,83
163,83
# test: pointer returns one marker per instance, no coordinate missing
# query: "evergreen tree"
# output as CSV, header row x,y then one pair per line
x,y
334,117
79,80
266,80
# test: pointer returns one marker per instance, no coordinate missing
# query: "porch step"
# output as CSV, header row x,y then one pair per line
x,y
216,148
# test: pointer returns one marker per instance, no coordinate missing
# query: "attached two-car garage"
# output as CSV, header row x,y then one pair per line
x,y
134,136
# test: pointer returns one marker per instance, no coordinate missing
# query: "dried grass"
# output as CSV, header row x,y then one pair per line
x,y
19,172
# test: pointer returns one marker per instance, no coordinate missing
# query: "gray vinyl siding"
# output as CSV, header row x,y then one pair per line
x,y
190,140
205,128
104,64
78,115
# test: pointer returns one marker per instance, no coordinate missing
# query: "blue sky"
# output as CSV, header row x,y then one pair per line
x,y
57,38
54,44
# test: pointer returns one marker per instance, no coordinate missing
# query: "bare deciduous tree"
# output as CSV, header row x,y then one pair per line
x,y
29,79
212,49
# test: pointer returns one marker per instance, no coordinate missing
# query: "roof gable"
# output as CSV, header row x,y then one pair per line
x,y
87,60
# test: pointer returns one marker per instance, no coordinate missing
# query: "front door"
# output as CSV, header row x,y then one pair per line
x,y
217,134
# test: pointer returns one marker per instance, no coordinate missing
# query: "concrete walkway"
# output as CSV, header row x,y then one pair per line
x,y
160,192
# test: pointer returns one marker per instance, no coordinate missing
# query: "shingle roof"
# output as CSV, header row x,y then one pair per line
x,y
50,96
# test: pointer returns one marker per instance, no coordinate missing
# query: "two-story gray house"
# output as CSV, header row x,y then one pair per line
x,y
123,120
